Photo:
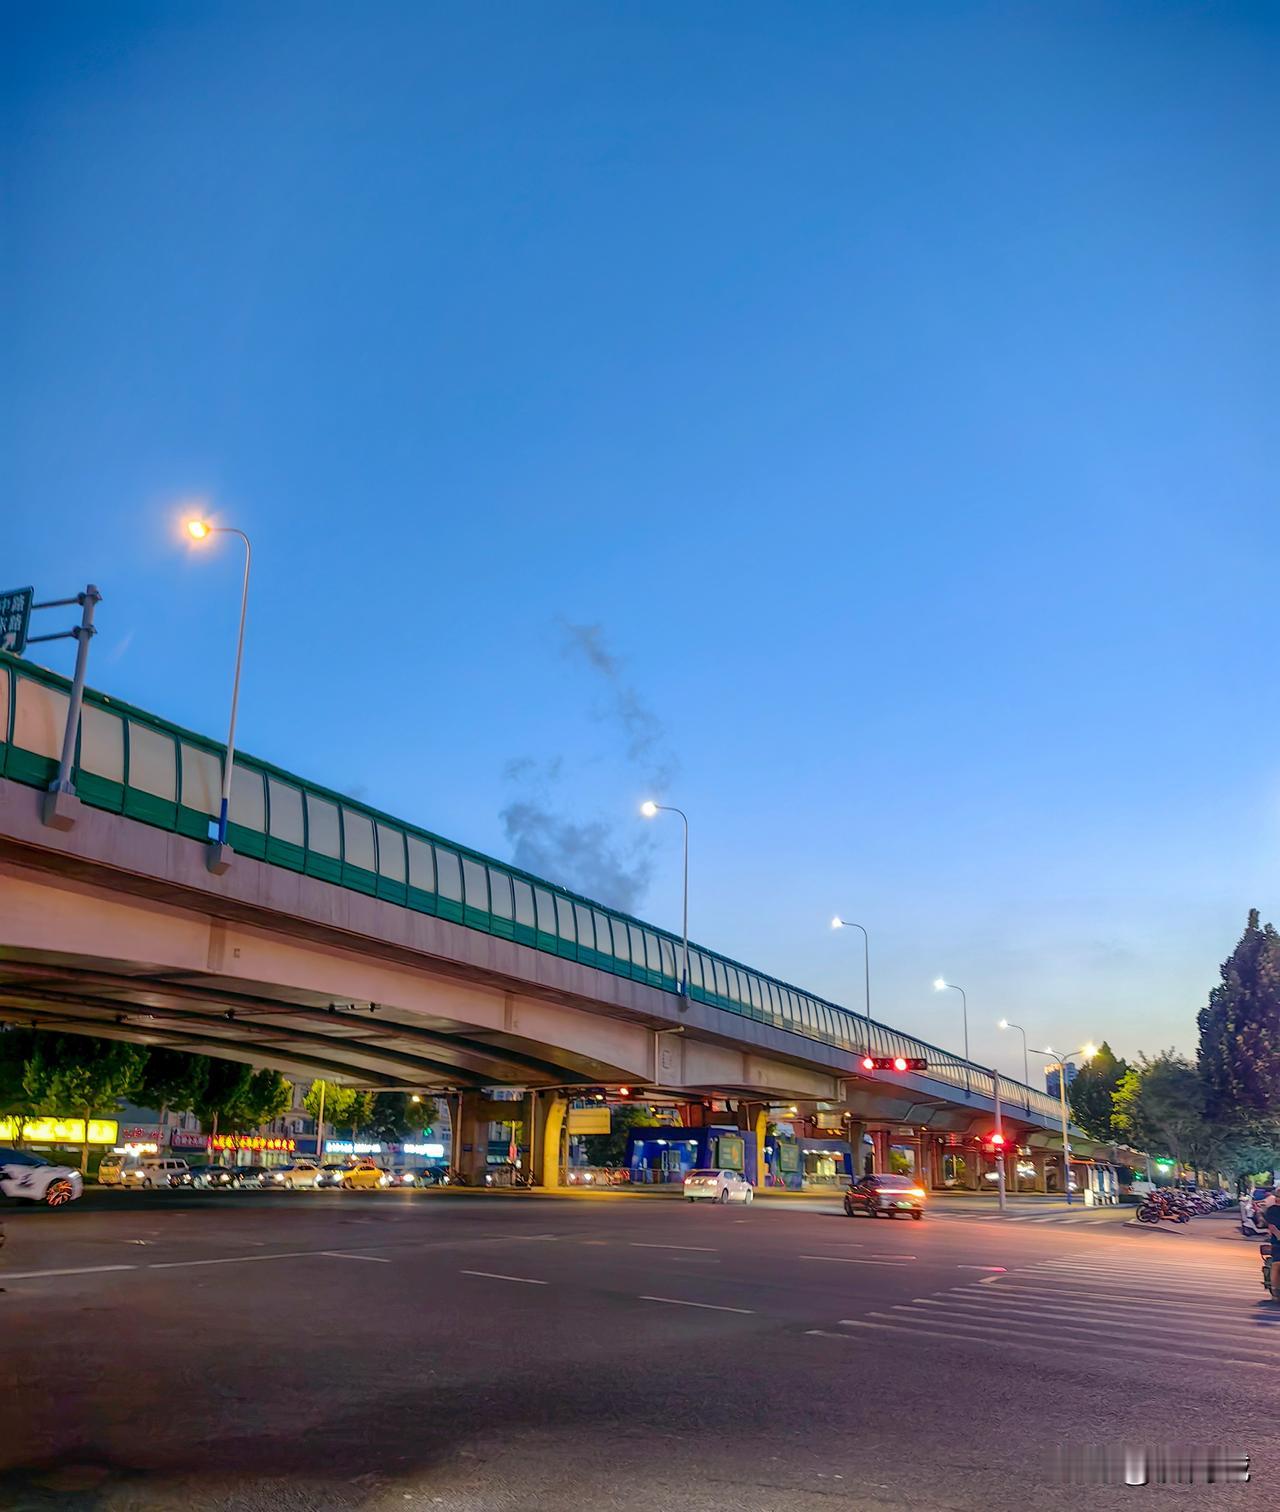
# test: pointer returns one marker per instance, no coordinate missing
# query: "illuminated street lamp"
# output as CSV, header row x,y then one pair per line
x,y
839,923
1026,1071
1086,1052
942,985
200,530
651,810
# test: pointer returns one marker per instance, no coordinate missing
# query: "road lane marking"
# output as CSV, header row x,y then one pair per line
x,y
852,1260
494,1276
701,1249
77,1270
342,1255
706,1306
1003,1269
998,1333
1003,1343
232,1259
1100,1318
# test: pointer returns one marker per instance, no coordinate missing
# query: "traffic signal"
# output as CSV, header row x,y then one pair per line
x,y
894,1063
997,1140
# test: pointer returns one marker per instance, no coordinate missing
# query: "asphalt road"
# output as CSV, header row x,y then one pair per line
x,y
473,1352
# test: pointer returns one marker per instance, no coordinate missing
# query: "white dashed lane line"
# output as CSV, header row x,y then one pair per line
x,y
494,1276
706,1306
701,1249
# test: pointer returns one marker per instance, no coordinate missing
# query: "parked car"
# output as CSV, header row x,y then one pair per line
x,y
210,1177
111,1170
251,1175
28,1178
717,1186
885,1197
406,1179
365,1176
156,1171
302,1173
331,1175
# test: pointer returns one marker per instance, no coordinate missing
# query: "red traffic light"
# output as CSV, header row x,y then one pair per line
x,y
997,1139
899,1064
868,1063
894,1063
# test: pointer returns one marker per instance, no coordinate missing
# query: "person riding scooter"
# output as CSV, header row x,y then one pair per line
x,y
1271,1221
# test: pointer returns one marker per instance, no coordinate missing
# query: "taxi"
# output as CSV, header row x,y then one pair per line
x,y
365,1176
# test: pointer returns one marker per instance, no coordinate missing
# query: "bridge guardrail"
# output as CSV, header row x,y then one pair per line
x,y
137,764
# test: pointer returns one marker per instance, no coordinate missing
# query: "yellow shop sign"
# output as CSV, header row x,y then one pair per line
x,y
102,1131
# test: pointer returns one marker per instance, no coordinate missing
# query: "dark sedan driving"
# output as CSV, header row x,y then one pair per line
x,y
885,1197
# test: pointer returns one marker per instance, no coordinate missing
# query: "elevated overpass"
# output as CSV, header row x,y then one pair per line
x,y
342,942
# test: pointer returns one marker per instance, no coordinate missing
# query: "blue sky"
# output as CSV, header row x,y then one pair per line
x,y
861,417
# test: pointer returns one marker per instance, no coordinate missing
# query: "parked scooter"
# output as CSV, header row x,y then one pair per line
x,y
1157,1206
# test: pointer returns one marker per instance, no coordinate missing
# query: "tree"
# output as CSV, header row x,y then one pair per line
x,y
16,1102
1239,1056
70,1074
336,1102
395,1117
358,1114
1092,1092
611,1149
218,1101
173,1079
1160,1106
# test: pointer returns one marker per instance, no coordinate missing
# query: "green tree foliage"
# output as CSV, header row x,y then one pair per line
x,y
358,1116
611,1149
83,1077
16,1101
395,1117
1092,1093
1160,1107
235,1099
336,1101
1239,1054
173,1080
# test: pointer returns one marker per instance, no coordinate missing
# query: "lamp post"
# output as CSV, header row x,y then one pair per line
x,y
1026,1071
839,923
941,985
1085,1052
651,810
201,530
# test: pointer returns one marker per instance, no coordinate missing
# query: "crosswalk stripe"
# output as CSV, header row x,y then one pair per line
x,y
1094,1336
1028,1296
1035,1345
1108,1321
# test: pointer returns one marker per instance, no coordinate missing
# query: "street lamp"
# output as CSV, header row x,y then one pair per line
x,y
941,985
200,530
651,810
1026,1072
1086,1052
839,923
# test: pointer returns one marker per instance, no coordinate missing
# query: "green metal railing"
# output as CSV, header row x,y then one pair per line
x,y
133,763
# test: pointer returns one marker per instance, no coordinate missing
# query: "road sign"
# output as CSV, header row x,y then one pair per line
x,y
15,619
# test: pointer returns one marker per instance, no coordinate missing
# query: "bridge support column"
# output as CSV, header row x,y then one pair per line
x,y
752,1119
880,1139
547,1127
857,1133
470,1136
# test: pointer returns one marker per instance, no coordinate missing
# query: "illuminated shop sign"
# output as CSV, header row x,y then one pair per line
x,y
350,1147
102,1131
431,1151
251,1142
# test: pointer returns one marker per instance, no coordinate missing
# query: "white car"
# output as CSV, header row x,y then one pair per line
x,y
26,1176
717,1186
302,1173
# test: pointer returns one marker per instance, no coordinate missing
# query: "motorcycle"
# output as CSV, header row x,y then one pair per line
x,y
1265,1251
